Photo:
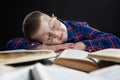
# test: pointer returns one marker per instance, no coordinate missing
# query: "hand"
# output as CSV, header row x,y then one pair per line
x,y
58,47
65,46
79,46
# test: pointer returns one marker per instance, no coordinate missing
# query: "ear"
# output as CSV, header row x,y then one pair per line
x,y
53,16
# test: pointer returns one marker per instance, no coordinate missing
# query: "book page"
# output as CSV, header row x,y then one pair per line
x,y
4,69
76,59
18,74
74,54
18,56
55,73
47,72
11,51
106,54
108,73
23,50
39,73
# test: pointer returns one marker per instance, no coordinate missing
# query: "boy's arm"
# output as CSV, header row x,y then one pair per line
x,y
23,43
20,43
99,40
56,48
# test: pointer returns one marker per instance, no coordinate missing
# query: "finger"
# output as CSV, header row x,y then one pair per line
x,y
69,44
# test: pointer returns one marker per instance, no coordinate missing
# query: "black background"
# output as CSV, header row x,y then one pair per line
x,y
101,14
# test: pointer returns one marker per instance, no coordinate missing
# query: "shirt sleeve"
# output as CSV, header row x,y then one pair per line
x,y
98,40
20,43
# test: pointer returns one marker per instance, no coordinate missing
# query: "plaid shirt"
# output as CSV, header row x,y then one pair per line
x,y
77,32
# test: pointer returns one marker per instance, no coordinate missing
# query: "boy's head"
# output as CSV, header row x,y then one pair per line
x,y
43,28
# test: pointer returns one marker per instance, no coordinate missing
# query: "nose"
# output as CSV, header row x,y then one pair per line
x,y
54,34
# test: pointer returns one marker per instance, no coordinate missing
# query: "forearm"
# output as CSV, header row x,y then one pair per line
x,y
20,43
57,47
52,47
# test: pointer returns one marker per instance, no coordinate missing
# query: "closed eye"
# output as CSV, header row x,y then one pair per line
x,y
54,27
49,37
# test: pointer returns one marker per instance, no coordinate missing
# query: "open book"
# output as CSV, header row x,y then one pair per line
x,y
85,61
41,72
18,56
107,55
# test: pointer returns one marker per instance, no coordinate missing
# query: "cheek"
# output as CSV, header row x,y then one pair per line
x,y
56,41
41,39
62,27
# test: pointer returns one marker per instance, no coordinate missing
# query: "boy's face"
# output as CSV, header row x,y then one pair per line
x,y
51,31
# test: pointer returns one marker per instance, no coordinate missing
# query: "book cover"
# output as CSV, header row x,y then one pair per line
x,y
76,59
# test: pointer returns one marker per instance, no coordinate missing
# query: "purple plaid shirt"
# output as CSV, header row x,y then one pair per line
x,y
77,32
